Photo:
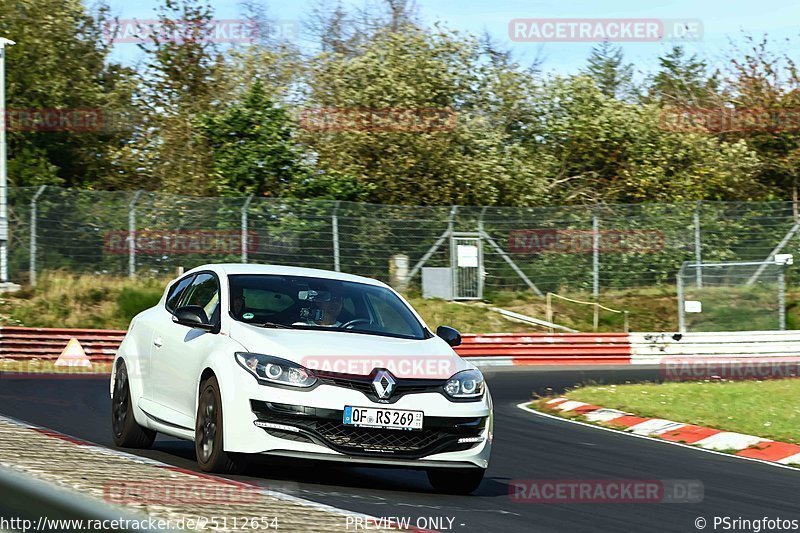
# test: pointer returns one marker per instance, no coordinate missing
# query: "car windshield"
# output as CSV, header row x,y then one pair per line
x,y
317,303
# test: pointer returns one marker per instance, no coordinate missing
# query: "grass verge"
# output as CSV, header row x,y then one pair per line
x,y
766,409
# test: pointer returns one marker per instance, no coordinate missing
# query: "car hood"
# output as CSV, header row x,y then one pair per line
x,y
353,353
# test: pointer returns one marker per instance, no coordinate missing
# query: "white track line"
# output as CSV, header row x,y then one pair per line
x,y
524,407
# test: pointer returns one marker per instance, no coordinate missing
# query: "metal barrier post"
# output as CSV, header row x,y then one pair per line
x,y
782,298
549,312
32,272
697,246
335,231
244,227
132,234
595,261
681,318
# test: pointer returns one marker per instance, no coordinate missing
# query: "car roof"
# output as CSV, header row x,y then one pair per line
x,y
226,269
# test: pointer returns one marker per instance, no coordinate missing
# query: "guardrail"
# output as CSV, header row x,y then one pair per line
x,y
55,508
48,343
652,348
484,349
547,348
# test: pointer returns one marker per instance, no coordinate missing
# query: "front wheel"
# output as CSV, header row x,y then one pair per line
x,y
127,433
211,455
455,480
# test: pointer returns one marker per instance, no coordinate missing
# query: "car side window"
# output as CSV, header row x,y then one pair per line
x,y
204,292
176,292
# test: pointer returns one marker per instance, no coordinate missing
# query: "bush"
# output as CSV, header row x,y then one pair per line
x,y
132,301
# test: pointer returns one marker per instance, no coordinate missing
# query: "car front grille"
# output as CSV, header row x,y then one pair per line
x,y
363,384
324,426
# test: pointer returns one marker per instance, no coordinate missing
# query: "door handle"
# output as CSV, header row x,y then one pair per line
x,y
158,342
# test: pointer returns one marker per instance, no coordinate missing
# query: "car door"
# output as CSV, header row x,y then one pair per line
x,y
179,352
151,326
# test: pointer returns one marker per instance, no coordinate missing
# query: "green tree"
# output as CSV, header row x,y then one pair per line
x,y
468,153
683,81
607,67
603,150
765,83
253,151
176,86
60,62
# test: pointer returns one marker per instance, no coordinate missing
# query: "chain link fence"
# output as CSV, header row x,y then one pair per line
x,y
731,296
558,249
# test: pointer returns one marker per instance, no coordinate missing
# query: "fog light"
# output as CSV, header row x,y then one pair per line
x,y
462,440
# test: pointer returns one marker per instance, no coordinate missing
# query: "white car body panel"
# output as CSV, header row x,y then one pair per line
x,y
166,362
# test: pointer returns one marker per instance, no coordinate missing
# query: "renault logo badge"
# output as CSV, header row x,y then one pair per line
x,y
384,384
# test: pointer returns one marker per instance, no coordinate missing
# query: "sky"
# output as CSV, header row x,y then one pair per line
x,y
718,25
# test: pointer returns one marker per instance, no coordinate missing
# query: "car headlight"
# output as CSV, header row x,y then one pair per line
x,y
465,384
275,370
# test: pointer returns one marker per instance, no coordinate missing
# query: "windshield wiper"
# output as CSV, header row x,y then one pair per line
x,y
275,325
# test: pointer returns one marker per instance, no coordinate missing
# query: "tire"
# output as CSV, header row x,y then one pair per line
x,y
455,480
127,433
211,454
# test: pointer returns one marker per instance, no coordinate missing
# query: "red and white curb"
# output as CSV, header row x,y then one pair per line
x,y
715,440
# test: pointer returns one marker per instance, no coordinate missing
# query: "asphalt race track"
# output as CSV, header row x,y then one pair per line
x,y
526,447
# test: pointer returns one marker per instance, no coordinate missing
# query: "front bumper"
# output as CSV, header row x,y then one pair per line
x,y
268,420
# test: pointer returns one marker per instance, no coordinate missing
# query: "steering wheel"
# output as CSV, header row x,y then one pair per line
x,y
351,323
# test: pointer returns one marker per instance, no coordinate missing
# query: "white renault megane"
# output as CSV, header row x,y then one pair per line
x,y
305,363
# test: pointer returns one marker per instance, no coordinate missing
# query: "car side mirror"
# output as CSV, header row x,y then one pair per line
x,y
192,316
450,335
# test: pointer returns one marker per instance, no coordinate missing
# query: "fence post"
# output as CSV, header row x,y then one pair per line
x,y
335,231
697,246
244,227
595,257
681,318
481,269
32,272
132,234
782,297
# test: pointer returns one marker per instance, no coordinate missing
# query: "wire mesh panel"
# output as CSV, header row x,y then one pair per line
x,y
575,249
731,296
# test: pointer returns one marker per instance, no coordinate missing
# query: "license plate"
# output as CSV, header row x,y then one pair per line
x,y
372,417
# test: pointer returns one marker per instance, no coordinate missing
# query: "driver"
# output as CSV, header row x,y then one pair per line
x,y
328,311
237,301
